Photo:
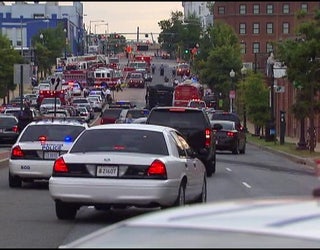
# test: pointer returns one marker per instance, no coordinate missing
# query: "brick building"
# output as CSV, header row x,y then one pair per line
x,y
258,24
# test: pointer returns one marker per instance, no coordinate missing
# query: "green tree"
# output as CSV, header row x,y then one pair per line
x,y
178,35
219,53
302,57
8,57
256,95
51,46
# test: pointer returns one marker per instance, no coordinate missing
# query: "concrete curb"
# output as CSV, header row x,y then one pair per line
x,y
310,162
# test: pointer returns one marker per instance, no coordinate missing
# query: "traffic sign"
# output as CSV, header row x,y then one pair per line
x,y
232,94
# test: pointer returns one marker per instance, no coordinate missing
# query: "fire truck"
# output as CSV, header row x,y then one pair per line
x,y
80,68
62,94
105,76
186,91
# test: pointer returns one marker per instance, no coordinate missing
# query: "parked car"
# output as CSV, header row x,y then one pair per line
x,y
9,131
36,148
127,165
195,125
229,137
288,222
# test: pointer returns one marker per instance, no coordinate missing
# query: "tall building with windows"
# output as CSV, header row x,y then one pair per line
x,y
260,23
21,20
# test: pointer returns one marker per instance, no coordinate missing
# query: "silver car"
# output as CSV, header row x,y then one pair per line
x,y
39,144
127,165
247,224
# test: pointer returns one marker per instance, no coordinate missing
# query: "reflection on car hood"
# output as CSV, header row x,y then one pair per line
x,y
280,222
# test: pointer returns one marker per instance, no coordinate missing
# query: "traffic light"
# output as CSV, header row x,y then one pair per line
x,y
186,51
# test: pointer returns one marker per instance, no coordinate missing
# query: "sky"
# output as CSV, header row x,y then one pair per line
x,y
126,17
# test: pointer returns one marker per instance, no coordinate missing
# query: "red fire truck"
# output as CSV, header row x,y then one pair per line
x,y
186,91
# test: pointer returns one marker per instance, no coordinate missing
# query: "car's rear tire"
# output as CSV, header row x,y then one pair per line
x,y
181,199
243,150
211,166
203,196
65,211
14,181
235,150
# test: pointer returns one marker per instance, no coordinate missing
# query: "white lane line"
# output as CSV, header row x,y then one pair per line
x,y
229,169
246,184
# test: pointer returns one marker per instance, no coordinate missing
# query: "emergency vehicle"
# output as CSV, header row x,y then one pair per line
x,y
80,68
106,76
186,91
62,94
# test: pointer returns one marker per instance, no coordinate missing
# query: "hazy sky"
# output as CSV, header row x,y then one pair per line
x,y
125,17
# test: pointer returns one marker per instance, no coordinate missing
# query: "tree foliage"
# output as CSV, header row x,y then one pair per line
x,y
8,57
51,46
302,57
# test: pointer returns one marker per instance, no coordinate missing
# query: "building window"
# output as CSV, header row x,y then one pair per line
x,y
285,28
243,47
304,6
19,43
242,29
256,28
221,10
256,9
285,9
269,8
256,47
269,47
243,9
269,28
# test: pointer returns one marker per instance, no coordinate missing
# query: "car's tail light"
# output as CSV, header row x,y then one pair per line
x,y
15,129
158,168
60,166
231,134
17,152
208,135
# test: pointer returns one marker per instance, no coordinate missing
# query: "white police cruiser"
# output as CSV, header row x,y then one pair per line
x,y
38,145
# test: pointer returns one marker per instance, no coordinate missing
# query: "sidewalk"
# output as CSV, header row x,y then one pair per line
x,y
311,161
288,139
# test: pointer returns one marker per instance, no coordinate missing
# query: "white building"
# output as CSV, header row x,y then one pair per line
x,y
200,10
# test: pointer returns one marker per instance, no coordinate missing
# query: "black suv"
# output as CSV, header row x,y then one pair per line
x,y
194,124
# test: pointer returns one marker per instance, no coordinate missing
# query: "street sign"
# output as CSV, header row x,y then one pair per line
x,y
26,74
279,89
232,94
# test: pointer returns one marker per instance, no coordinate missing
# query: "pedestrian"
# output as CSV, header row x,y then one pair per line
x,y
25,117
153,68
173,72
108,95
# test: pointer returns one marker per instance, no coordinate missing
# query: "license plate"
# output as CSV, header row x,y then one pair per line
x,y
51,155
107,171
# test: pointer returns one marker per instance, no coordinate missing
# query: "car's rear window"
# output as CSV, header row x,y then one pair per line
x,y
115,113
225,116
7,121
136,113
51,132
177,119
121,140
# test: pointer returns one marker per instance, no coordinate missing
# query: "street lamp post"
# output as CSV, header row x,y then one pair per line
x,y
271,130
244,73
232,91
65,44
